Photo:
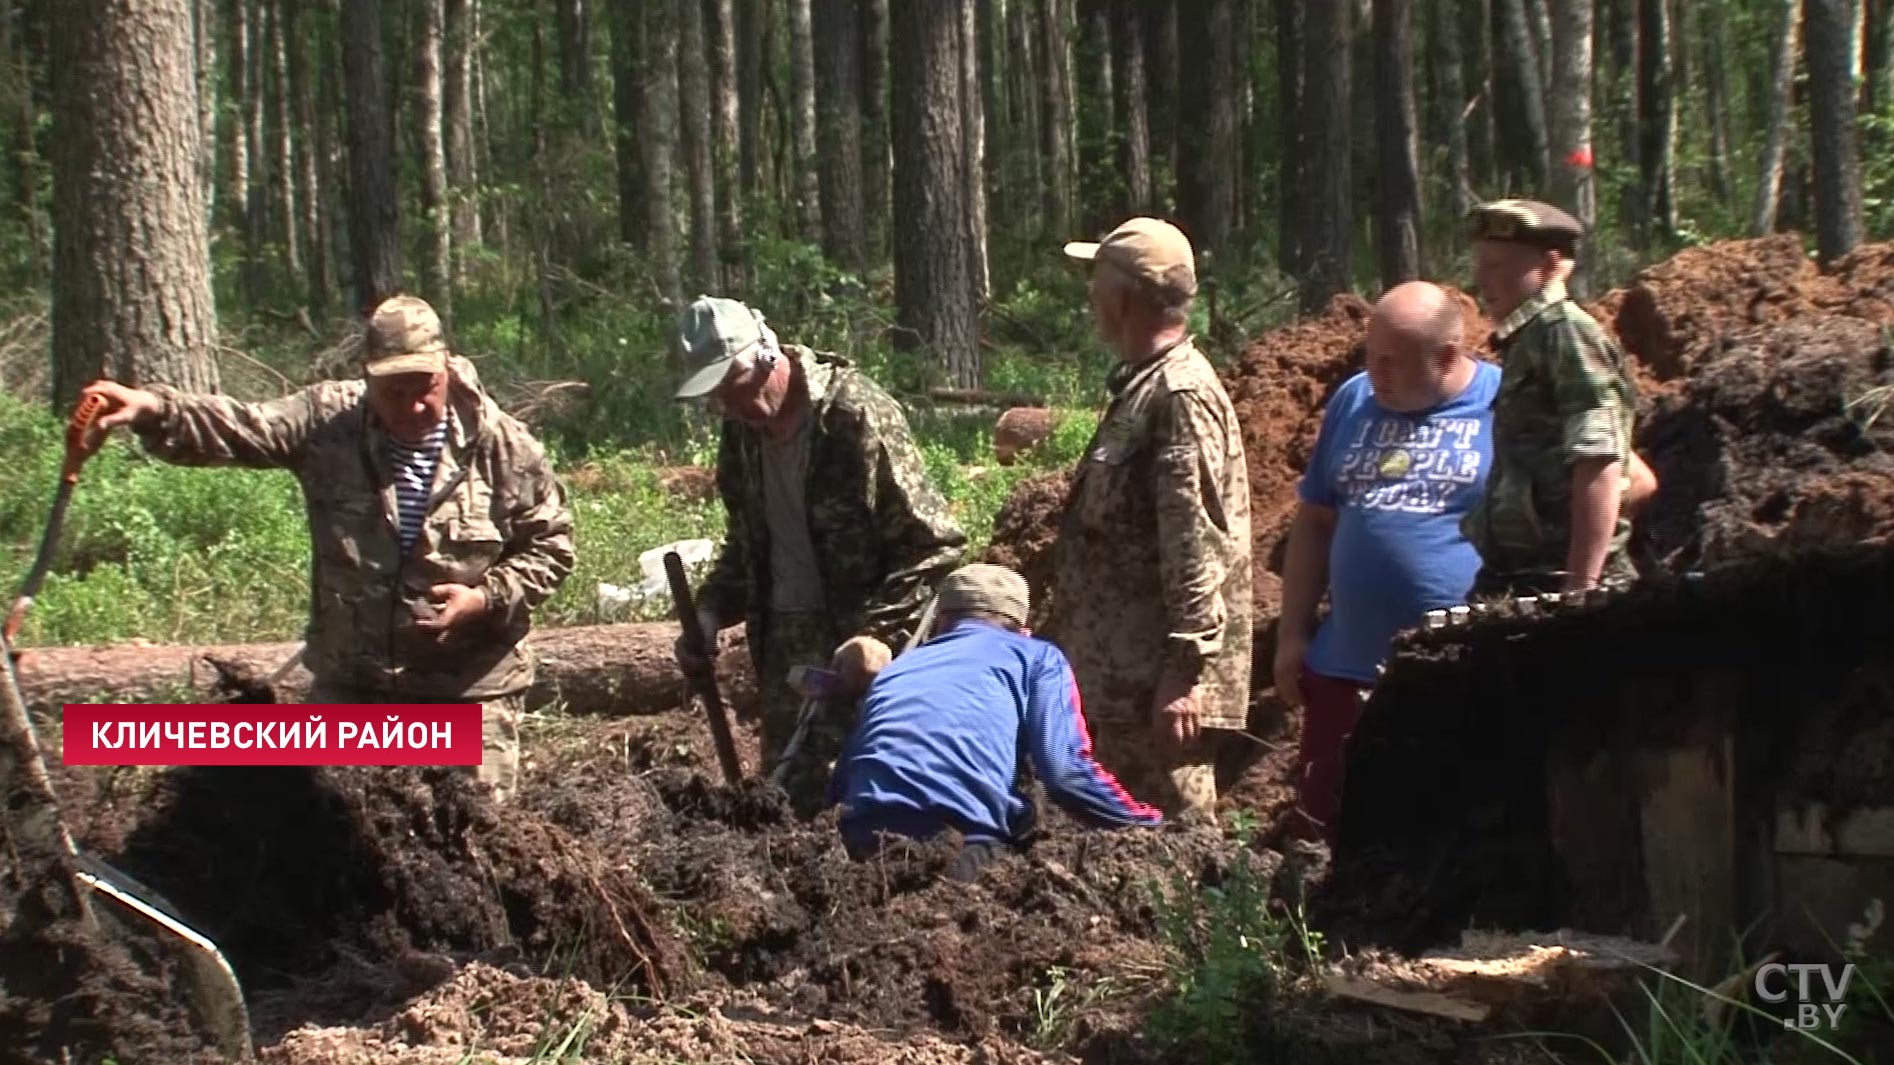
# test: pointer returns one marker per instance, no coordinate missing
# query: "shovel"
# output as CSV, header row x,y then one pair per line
x,y
32,810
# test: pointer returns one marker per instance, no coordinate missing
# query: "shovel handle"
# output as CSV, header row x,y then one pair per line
x,y
695,642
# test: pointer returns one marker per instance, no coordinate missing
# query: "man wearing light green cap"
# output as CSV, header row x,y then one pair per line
x,y
834,530
436,525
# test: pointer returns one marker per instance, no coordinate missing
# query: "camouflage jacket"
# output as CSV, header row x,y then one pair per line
x,y
1565,393
1153,558
882,534
497,520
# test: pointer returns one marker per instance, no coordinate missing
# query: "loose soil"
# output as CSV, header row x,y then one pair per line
x,y
627,908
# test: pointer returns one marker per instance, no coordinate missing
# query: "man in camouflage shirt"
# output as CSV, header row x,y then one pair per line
x,y
1151,600
834,529
1553,516
436,524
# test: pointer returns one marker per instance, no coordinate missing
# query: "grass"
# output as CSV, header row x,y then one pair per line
x,y
184,555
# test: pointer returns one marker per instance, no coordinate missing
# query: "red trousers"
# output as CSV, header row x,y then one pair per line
x,y
1330,707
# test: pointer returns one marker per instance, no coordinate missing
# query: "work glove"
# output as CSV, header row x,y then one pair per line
x,y
697,666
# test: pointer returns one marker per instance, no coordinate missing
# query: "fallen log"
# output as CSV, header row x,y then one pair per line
x,y
594,669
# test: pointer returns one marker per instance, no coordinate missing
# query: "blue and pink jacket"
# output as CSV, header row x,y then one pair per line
x,y
941,732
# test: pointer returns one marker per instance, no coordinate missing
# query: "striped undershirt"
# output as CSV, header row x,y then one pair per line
x,y
414,477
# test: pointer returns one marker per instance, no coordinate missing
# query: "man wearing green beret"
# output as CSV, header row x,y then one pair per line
x,y
1553,517
834,529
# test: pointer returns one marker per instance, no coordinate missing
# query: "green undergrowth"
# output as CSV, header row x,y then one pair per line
x,y
188,555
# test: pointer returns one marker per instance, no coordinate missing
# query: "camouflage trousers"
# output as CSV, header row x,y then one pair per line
x,y
1173,780
499,730
791,640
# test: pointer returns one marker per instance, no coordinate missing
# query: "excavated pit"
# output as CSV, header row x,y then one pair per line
x,y
381,916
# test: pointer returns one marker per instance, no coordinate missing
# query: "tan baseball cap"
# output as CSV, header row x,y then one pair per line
x,y
1148,249
986,588
404,336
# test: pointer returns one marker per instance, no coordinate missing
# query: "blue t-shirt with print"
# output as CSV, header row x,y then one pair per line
x,y
1399,483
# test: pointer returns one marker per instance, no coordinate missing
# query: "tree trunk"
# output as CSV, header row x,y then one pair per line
x,y
934,269
1449,99
802,115
693,82
973,118
658,126
1657,116
1056,117
26,160
435,284
996,135
308,219
1134,141
575,62
330,166
1026,161
1878,59
204,35
131,254
1476,29
1289,162
1162,85
627,22
1397,223
605,669
1831,98
750,60
877,160
255,202
1521,99
1539,21
282,143
1327,201
237,74
1572,185
374,249
1096,203
1621,30
837,27
725,148
1781,96
457,126
1206,185
1716,59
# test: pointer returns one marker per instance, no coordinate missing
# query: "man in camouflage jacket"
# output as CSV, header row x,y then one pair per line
x,y
445,617
1553,518
834,529
1152,601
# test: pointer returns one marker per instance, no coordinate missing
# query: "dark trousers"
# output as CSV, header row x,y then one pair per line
x,y
1330,708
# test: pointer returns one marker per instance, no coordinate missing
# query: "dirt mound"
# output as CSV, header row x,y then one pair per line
x,y
299,873
1775,442
513,1020
1679,312
1026,527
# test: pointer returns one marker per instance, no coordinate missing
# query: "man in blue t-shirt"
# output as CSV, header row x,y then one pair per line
x,y
942,729
1403,453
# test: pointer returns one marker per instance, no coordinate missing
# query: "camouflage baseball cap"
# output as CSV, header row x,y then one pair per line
x,y
986,588
404,336
1149,249
1526,222
714,333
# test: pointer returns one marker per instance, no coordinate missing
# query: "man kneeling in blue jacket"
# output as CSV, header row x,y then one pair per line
x,y
937,744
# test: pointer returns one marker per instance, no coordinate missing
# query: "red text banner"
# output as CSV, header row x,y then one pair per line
x,y
272,734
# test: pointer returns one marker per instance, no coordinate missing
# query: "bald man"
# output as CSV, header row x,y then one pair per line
x,y
1402,456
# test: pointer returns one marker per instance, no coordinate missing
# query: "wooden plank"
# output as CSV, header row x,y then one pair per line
x,y
1428,1002
1687,822
1862,833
